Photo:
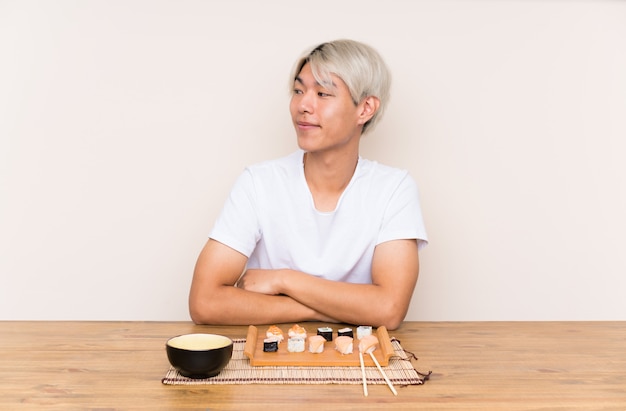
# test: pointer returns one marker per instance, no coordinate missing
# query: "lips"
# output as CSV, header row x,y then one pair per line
x,y
306,125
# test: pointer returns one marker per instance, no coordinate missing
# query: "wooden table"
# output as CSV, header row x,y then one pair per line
x,y
476,365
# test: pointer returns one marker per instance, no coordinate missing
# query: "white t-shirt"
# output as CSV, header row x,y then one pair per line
x,y
270,217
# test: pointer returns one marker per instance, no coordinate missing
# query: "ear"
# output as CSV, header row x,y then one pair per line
x,y
367,108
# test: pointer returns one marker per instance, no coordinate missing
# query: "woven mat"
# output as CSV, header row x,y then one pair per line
x,y
239,371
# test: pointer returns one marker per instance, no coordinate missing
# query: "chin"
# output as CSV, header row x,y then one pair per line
x,y
305,144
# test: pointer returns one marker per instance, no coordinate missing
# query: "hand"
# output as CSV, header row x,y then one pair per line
x,y
261,281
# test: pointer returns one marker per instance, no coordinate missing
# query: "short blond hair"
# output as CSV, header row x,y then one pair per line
x,y
359,66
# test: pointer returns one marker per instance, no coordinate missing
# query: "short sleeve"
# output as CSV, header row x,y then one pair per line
x,y
403,215
237,226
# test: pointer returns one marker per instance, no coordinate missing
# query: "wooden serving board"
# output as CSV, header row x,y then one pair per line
x,y
329,358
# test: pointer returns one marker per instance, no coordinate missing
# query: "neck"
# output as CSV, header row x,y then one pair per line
x,y
328,176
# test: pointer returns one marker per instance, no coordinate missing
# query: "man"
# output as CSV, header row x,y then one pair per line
x,y
322,234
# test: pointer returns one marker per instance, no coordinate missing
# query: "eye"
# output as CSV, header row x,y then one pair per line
x,y
323,94
297,91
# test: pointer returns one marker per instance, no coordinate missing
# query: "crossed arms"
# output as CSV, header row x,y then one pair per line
x,y
221,295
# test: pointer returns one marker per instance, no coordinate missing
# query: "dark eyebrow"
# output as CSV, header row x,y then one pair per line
x,y
299,80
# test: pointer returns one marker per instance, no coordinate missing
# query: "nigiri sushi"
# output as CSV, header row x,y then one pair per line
x,y
275,332
344,344
297,331
316,344
368,343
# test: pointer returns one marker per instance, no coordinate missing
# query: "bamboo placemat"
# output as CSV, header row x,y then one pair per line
x,y
238,371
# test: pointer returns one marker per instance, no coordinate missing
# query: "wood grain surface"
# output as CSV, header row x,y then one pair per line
x,y
476,366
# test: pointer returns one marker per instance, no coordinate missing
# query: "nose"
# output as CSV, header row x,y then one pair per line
x,y
305,103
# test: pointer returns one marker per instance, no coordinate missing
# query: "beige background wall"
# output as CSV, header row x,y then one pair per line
x,y
124,123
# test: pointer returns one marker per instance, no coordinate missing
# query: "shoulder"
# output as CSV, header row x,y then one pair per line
x,y
266,178
283,166
381,174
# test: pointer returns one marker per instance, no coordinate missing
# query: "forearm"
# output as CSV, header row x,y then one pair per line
x,y
350,303
282,295
229,305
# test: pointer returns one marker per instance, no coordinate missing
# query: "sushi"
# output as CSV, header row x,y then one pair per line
x,y
344,344
345,331
363,330
275,332
295,344
270,344
325,332
316,344
368,343
297,331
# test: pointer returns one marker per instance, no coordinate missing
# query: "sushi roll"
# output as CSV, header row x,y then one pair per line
x,y
363,330
275,332
316,344
325,332
345,331
295,344
344,344
270,345
368,343
297,331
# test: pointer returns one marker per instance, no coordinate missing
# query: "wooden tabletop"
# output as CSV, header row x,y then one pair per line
x,y
476,365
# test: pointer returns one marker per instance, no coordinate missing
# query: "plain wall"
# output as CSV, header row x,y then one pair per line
x,y
123,125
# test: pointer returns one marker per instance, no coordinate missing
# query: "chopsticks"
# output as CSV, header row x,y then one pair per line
x,y
391,387
389,384
363,373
